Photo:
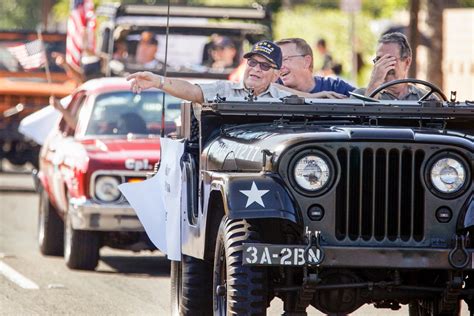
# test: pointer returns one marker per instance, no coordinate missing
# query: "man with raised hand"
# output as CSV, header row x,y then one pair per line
x,y
392,62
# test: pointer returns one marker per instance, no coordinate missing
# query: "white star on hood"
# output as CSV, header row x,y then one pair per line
x,y
254,195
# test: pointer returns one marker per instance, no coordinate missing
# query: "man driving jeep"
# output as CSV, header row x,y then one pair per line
x,y
263,64
392,62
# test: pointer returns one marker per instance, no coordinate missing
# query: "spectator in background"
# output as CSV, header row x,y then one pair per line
x,y
90,67
297,71
337,69
120,50
206,53
223,53
326,68
146,50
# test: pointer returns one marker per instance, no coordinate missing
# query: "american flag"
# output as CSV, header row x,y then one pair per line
x,y
31,55
80,31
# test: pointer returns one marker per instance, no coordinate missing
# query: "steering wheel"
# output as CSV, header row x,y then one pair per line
x,y
433,88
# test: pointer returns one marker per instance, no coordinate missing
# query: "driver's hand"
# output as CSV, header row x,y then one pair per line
x,y
381,68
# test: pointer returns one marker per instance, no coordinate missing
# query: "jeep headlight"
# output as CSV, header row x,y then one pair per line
x,y
106,188
312,172
448,174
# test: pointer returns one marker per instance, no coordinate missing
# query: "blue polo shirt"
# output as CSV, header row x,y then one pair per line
x,y
331,84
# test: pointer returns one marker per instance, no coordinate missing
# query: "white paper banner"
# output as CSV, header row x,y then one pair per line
x,y
157,201
39,124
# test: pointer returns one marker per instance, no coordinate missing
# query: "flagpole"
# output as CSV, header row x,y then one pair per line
x,y
46,62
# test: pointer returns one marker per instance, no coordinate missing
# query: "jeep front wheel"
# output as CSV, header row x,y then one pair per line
x,y
237,289
50,228
81,247
191,287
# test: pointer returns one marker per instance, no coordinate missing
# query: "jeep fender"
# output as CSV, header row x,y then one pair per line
x,y
221,194
466,218
253,195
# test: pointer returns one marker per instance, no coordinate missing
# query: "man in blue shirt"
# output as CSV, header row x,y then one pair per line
x,y
297,71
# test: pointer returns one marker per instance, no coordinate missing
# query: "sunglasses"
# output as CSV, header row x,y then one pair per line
x,y
263,65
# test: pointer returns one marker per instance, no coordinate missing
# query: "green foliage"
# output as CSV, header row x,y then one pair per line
x,y
467,3
62,8
332,25
20,14
383,9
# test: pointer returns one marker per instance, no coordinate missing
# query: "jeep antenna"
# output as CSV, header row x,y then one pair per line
x,y
165,70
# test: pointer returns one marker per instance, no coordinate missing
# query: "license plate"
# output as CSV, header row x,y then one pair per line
x,y
280,255
135,180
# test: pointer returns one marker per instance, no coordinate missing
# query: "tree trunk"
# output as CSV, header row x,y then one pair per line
x,y
435,52
46,9
413,35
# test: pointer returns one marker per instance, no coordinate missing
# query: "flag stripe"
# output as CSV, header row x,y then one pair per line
x,y
80,31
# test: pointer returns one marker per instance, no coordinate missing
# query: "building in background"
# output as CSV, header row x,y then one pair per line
x,y
458,51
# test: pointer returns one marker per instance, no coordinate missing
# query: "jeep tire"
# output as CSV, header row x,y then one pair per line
x,y
191,291
237,289
50,228
81,247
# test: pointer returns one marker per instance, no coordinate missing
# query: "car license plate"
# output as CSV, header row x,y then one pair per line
x,y
135,180
281,255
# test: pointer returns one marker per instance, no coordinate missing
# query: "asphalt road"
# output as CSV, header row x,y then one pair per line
x,y
124,283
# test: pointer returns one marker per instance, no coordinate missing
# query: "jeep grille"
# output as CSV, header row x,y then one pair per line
x,y
380,194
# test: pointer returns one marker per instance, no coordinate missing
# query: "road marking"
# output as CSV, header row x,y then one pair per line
x,y
16,277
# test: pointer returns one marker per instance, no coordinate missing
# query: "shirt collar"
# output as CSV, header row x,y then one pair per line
x,y
240,86
411,90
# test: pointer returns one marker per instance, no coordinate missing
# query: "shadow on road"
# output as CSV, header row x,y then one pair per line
x,y
15,190
137,265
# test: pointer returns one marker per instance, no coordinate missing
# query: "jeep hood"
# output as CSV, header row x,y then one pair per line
x,y
240,148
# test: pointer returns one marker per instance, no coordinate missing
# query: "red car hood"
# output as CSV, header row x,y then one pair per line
x,y
121,149
117,154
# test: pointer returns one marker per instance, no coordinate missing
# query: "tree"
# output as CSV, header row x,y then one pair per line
x,y
435,53
20,14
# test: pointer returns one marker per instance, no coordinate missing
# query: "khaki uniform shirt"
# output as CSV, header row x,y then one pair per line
x,y
414,94
228,89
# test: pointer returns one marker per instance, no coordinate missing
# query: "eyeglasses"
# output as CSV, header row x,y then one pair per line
x,y
287,58
376,59
263,65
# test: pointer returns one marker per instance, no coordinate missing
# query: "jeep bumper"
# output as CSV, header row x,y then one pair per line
x,y
89,215
353,257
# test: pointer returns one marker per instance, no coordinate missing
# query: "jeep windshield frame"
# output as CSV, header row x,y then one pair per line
x,y
336,108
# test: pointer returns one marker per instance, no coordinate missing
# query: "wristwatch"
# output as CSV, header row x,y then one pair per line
x,y
162,82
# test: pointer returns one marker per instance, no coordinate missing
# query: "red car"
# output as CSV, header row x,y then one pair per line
x,y
115,140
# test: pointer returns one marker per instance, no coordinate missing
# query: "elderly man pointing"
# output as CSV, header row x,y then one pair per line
x,y
263,64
